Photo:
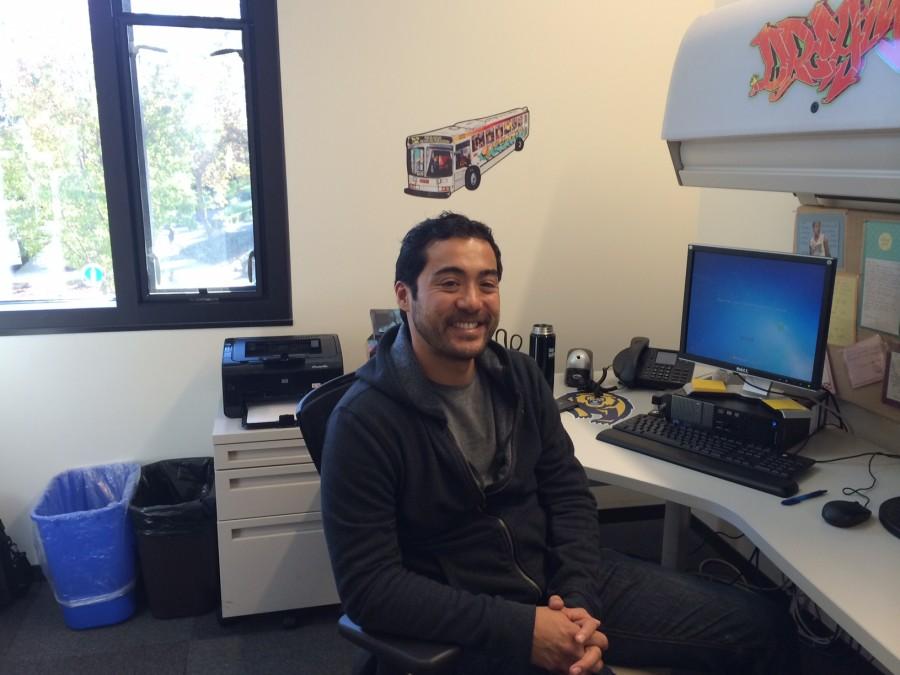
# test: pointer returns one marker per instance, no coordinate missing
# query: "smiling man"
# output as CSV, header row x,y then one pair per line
x,y
455,510
453,307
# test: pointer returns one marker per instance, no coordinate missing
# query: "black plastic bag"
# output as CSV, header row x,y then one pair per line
x,y
175,496
15,570
173,513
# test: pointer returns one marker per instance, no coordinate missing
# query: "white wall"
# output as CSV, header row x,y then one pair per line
x,y
592,196
591,221
761,220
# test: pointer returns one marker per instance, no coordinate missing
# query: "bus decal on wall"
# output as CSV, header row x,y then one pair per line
x,y
440,162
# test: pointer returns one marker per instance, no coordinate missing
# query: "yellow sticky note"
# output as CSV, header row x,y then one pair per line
x,y
700,384
842,328
783,404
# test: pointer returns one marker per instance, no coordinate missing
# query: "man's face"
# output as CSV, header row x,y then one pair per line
x,y
457,307
817,227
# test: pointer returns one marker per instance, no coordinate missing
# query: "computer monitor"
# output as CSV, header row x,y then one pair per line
x,y
760,314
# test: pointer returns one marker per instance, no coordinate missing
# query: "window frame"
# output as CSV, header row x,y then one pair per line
x,y
269,303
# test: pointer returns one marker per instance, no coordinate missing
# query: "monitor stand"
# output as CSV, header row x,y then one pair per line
x,y
756,387
753,386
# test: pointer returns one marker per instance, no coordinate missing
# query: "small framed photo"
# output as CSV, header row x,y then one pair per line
x,y
891,392
384,319
821,234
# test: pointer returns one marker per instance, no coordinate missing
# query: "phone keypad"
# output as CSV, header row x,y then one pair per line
x,y
680,373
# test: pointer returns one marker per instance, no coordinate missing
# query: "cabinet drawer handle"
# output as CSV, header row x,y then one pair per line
x,y
268,453
275,530
251,482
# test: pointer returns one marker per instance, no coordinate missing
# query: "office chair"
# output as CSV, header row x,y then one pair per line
x,y
392,655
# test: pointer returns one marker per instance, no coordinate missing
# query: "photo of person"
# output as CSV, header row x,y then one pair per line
x,y
820,234
818,243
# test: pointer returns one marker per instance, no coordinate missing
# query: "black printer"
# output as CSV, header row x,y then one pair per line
x,y
273,368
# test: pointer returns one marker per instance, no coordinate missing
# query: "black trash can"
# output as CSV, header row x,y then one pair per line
x,y
173,513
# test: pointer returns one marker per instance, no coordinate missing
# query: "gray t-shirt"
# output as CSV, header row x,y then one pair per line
x,y
470,415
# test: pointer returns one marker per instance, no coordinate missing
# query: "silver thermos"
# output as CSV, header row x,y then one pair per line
x,y
542,348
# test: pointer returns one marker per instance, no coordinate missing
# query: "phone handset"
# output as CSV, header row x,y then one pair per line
x,y
625,365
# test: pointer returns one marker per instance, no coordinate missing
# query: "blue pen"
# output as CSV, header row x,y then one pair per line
x,y
802,498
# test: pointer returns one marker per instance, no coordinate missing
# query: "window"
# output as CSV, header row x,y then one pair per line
x,y
417,161
463,158
142,180
440,164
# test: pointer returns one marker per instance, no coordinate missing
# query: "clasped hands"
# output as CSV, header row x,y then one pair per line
x,y
566,639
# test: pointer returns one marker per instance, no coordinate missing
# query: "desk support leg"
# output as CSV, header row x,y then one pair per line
x,y
675,525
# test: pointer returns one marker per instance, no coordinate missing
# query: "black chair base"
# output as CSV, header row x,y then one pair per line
x,y
401,655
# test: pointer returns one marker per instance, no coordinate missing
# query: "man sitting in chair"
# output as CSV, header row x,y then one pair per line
x,y
455,510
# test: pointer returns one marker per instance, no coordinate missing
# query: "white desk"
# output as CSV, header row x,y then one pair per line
x,y
852,574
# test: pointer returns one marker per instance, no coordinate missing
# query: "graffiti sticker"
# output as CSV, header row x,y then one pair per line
x,y
825,49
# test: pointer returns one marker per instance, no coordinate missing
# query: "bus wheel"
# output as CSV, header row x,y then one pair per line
x,y
520,143
473,177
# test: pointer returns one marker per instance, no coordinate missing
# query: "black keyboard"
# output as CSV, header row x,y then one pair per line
x,y
715,454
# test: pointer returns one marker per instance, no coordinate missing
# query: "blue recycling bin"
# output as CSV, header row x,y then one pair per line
x,y
87,545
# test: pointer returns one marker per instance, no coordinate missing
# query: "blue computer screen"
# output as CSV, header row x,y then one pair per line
x,y
765,313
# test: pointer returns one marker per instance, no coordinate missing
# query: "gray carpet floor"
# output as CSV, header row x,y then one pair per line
x,y
34,640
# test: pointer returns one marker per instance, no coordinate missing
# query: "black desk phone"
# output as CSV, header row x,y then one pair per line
x,y
640,366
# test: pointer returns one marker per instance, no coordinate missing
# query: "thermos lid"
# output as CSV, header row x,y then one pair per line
x,y
542,329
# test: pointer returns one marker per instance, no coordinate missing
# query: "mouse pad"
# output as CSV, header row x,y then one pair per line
x,y
598,408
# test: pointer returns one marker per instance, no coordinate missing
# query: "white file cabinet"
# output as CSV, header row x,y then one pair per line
x,y
272,553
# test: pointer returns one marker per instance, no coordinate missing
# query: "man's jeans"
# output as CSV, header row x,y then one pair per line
x,y
654,616
658,617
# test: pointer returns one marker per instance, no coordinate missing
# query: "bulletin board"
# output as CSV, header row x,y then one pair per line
x,y
866,241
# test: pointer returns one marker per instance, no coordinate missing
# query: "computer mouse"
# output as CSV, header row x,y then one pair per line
x,y
842,513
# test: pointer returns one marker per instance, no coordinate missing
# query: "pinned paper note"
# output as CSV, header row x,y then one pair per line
x,y
881,282
891,391
842,327
701,384
865,362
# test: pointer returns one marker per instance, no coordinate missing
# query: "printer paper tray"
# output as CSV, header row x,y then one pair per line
x,y
270,414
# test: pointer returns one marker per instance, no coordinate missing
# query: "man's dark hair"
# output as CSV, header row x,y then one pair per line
x,y
413,257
